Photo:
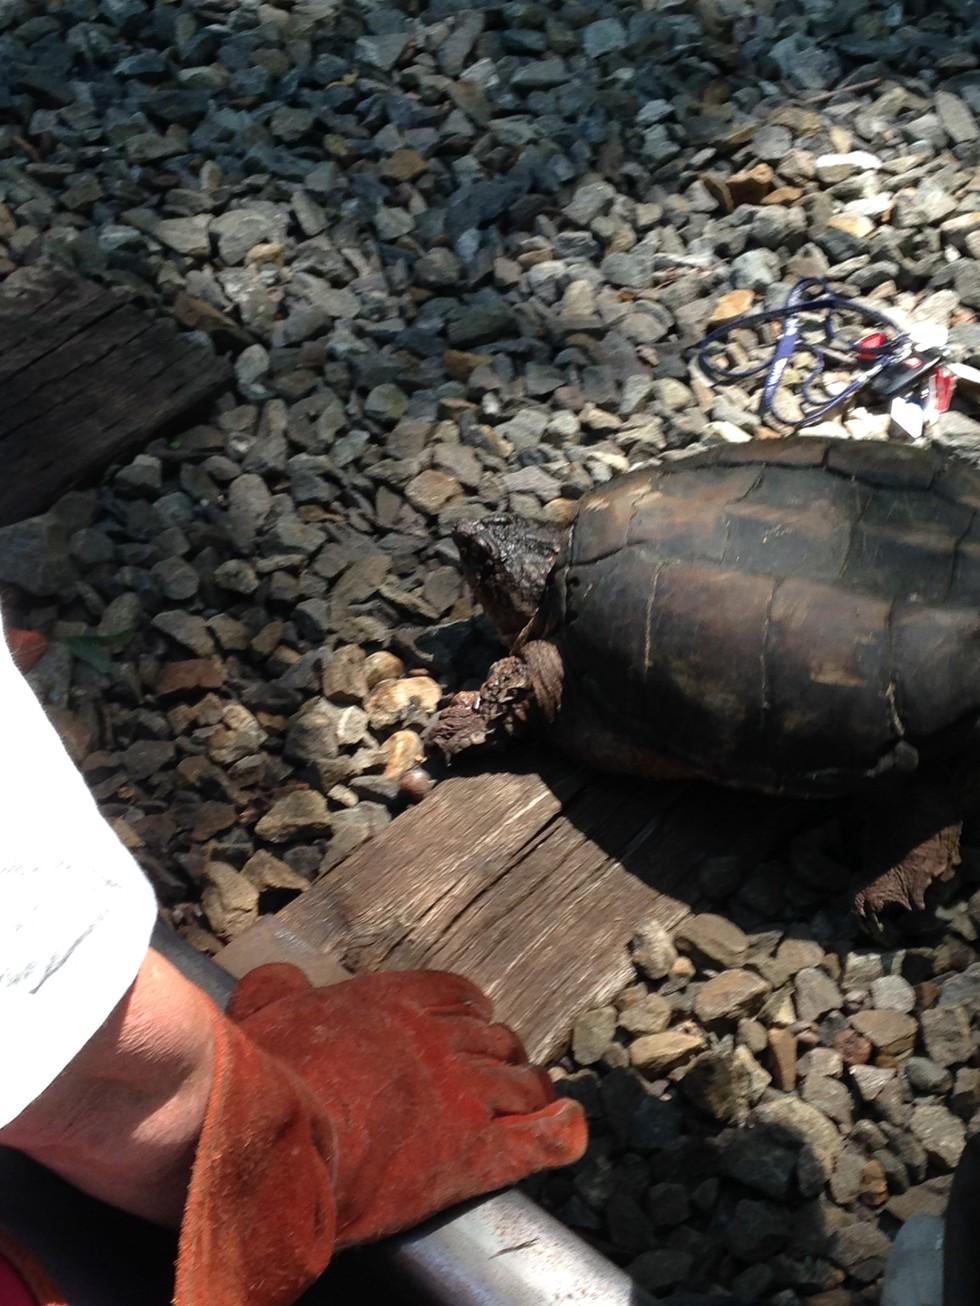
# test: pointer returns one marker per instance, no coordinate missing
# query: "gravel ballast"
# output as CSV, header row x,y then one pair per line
x,y
458,257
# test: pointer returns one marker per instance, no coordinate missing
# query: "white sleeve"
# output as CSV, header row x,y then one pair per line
x,y
76,911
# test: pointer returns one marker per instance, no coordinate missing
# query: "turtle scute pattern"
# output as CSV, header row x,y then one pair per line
x,y
795,615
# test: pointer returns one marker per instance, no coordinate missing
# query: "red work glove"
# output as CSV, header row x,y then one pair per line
x,y
343,1114
27,648
22,1281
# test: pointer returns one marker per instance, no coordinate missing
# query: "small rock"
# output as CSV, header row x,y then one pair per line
x,y
230,901
477,324
760,1164
659,1270
194,673
734,304
239,735
386,403
312,733
381,50
653,950
782,1058
845,1182
605,36
592,1033
833,168
650,1015
212,819
925,1077
794,1123
893,993
861,1249
756,269
237,576
177,579
147,757
712,939
889,1031
816,994
829,1096
302,813
854,1048
668,1205
657,1054
758,1230
268,872
946,1035
957,118
187,630
389,702
403,165
861,969
631,270
402,751
965,1098
431,490
345,678
870,1081
382,666
729,995
34,555
942,1134
719,1086
439,268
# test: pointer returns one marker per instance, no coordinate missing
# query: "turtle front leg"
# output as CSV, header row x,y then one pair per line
x,y
500,709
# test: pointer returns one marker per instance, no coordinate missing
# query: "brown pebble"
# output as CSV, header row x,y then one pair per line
x,y
874,1185
730,306
194,673
212,818
402,751
854,1048
415,784
382,666
782,1058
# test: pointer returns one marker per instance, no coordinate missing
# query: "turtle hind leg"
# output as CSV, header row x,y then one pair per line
x,y
914,842
904,884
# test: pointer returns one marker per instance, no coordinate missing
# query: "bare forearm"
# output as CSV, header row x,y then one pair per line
x,y
122,1120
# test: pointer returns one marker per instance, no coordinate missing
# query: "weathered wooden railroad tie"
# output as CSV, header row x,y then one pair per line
x,y
532,883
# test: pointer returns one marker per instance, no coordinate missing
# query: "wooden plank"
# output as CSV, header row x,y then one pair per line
x,y
68,311
531,884
87,378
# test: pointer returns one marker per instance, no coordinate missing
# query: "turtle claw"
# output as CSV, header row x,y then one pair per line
x,y
874,926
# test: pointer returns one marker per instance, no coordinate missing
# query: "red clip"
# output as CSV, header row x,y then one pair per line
x,y
941,386
869,347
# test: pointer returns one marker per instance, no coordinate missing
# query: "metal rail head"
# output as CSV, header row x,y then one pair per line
x,y
500,1251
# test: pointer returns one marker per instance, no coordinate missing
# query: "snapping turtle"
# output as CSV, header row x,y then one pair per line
x,y
798,617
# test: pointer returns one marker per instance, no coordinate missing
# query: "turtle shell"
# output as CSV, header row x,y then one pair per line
x,y
796,615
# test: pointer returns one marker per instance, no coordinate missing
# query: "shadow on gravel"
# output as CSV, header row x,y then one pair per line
x,y
756,1163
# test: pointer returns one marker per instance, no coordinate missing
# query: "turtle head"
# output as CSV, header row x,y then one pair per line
x,y
506,561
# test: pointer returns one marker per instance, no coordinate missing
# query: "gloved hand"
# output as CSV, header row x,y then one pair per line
x,y
343,1114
